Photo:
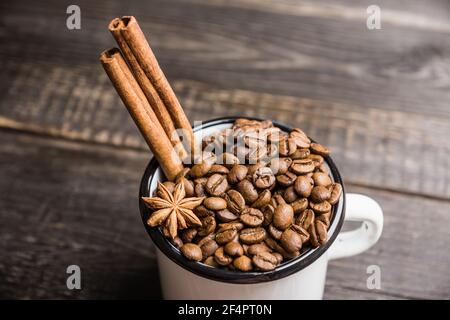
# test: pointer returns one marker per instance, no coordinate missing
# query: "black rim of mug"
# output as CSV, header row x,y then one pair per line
x,y
285,269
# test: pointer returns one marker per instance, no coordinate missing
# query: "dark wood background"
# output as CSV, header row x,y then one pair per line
x,y
71,158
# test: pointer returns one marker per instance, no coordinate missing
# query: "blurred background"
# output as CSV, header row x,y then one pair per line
x,y
71,158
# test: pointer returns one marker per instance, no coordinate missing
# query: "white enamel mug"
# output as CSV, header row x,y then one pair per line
x,y
299,278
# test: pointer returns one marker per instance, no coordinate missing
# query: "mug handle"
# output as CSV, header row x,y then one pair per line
x,y
366,210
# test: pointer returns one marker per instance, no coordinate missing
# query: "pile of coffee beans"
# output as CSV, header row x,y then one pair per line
x,y
268,197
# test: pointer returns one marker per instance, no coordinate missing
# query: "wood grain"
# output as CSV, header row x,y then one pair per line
x,y
72,203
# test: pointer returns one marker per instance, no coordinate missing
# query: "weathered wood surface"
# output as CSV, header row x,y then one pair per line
x,y
379,99
70,203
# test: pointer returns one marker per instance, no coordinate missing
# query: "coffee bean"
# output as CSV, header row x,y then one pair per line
x,y
199,187
248,191
274,232
302,166
265,261
318,233
253,167
290,195
319,149
220,169
205,239
170,187
263,199
316,159
291,240
253,235
226,235
277,199
300,154
252,217
304,235
226,215
268,211
283,216
263,178
216,185
188,186
320,207
258,248
222,258
325,218
275,246
323,169
287,179
229,159
299,205
320,193
321,179
274,135
208,248
305,219
278,256
201,211
187,235
300,138
177,242
243,263
237,173
210,261
287,147
215,203
336,192
208,226
303,186
191,251
235,201
202,168
231,225
279,165
233,249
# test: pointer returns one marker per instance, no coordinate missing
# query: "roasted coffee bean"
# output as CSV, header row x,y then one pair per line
x,y
233,249
279,165
321,179
278,256
258,248
199,187
274,232
252,235
191,251
300,154
205,239
274,134
277,199
283,216
276,247
208,248
316,159
287,179
201,211
265,261
237,173
300,138
216,185
170,187
304,235
231,225
229,159
263,178
299,205
226,235
303,186
305,219
177,242
320,207
222,258
268,211
291,240
320,193
215,203
318,233
251,217
336,192
322,168
187,235
287,147
243,263
319,149
263,199
211,261
290,195
226,215
208,226
235,201
248,191
253,167
200,169
302,166
218,168
188,186
325,218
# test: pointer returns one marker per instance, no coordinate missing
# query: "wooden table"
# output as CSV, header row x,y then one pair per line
x,y
71,158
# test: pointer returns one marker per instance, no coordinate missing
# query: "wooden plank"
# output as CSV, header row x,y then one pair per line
x,y
74,203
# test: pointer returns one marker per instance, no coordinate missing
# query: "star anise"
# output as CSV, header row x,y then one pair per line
x,y
173,211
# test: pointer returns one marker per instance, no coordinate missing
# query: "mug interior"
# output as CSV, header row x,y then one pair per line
x,y
153,174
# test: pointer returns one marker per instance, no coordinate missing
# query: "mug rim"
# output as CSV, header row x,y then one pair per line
x,y
230,276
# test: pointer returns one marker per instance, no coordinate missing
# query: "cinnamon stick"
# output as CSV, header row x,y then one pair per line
x,y
143,53
147,88
144,117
